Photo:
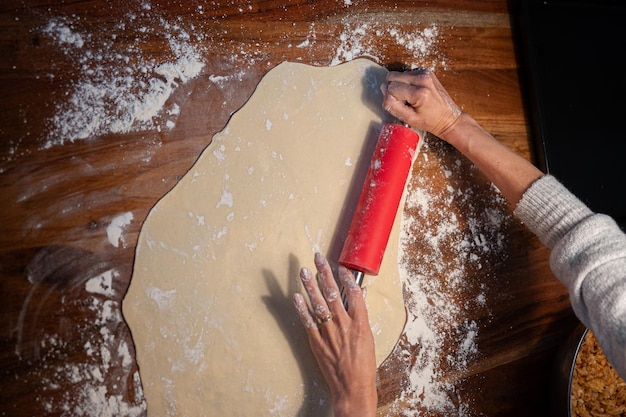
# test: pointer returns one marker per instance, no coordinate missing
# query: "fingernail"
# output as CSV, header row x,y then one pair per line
x,y
305,274
383,89
319,259
298,301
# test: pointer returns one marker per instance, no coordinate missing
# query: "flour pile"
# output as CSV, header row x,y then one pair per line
x,y
97,386
365,39
447,235
119,91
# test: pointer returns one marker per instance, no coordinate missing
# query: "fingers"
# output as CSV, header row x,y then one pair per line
x,y
418,98
303,312
403,100
354,293
318,302
323,293
404,87
325,297
329,287
416,76
404,83
406,92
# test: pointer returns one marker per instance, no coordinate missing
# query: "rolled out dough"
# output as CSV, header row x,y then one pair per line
x,y
209,304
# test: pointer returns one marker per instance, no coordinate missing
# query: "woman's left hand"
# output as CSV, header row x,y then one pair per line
x,y
342,341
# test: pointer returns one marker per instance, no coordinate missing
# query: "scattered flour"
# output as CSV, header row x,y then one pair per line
x,y
102,284
97,386
163,298
116,228
119,91
436,259
63,34
367,40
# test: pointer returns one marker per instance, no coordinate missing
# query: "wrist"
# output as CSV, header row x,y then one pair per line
x,y
457,134
361,406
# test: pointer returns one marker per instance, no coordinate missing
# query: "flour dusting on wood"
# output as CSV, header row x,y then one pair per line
x,y
99,384
115,229
358,39
447,236
119,91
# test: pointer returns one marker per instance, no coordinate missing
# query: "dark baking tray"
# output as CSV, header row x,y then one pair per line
x,y
572,58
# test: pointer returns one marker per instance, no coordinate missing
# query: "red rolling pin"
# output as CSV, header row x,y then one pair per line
x,y
378,203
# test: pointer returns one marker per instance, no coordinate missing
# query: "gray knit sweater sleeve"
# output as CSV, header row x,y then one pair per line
x,y
588,255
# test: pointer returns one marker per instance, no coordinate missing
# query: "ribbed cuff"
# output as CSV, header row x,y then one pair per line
x,y
550,210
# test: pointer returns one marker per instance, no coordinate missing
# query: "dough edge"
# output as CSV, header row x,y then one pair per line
x,y
148,299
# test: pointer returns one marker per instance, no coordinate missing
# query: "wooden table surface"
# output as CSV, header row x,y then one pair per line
x,y
72,207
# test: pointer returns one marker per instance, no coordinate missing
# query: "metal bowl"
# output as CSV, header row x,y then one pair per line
x,y
564,372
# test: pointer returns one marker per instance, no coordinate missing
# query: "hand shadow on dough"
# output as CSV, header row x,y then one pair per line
x,y
316,398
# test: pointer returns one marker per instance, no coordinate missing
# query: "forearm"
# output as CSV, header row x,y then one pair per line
x,y
508,171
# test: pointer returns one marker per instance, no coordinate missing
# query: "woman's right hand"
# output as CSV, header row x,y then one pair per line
x,y
417,98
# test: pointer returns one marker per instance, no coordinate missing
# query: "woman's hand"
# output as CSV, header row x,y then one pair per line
x,y
341,341
418,99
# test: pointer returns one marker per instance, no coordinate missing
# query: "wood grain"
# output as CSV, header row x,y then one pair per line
x,y
58,201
